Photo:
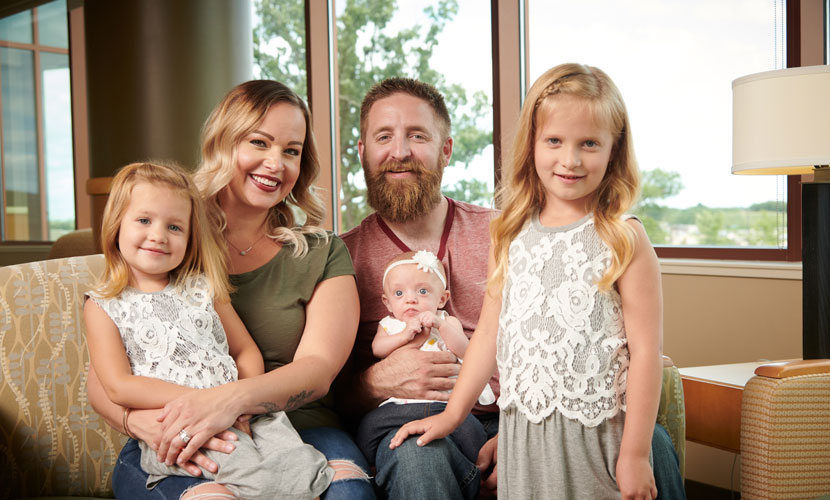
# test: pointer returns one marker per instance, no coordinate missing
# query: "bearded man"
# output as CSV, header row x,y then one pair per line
x,y
404,145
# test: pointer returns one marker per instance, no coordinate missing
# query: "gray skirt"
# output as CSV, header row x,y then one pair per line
x,y
275,463
557,458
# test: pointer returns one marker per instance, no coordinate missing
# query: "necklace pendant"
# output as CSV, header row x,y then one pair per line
x,y
243,252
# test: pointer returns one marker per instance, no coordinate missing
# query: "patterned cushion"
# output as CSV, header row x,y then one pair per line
x,y
671,413
51,440
785,437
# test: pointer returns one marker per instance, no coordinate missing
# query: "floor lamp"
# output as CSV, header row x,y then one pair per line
x,y
781,126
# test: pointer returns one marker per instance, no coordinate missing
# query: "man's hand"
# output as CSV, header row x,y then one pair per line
x,y
486,463
412,374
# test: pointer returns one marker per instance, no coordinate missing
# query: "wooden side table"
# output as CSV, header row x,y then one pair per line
x,y
713,395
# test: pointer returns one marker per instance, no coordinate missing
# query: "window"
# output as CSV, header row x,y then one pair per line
x,y
674,63
280,43
694,207
38,200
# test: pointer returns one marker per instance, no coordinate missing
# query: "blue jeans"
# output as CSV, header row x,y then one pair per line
x,y
469,437
666,466
437,470
335,444
129,480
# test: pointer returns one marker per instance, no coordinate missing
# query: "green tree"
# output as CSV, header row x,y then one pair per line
x,y
656,185
368,53
710,224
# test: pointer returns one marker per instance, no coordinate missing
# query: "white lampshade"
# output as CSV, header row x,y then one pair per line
x,y
781,121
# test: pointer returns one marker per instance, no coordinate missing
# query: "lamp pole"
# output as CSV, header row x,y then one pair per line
x,y
815,257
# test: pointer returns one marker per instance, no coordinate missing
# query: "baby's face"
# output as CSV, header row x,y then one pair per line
x,y
408,291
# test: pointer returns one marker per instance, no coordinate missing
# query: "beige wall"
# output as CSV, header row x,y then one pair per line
x,y
727,319
712,320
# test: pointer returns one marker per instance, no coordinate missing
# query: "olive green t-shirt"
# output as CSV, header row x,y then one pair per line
x,y
271,301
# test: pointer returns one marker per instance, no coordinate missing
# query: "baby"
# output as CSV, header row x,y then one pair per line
x,y
414,291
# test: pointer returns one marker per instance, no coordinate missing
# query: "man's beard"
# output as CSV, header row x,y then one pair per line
x,y
402,200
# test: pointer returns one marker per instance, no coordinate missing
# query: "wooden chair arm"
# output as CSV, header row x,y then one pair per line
x,y
784,369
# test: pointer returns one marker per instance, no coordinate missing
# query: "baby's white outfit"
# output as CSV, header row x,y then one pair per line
x,y
175,335
433,343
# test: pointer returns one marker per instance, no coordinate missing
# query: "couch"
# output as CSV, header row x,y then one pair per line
x,y
52,442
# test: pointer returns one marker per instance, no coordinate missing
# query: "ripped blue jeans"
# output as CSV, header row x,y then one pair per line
x,y
129,480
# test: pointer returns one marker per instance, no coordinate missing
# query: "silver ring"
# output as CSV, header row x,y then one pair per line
x,y
184,436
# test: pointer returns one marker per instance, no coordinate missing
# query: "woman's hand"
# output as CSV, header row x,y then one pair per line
x,y
432,428
201,414
635,478
144,426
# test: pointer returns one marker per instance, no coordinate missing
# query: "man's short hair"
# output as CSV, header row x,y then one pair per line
x,y
410,86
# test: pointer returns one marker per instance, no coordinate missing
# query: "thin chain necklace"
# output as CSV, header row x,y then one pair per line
x,y
245,252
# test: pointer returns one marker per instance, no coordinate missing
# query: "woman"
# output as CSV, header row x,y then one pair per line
x,y
295,292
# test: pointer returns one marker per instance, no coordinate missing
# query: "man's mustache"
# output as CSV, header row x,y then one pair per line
x,y
402,166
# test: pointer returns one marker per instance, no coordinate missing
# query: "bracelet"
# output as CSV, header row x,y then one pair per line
x,y
126,423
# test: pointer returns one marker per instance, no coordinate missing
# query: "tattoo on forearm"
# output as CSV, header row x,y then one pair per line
x,y
291,403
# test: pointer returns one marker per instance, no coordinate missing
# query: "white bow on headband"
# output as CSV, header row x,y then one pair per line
x,y
426,262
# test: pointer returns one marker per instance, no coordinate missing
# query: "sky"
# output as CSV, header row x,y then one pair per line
x,y
673,61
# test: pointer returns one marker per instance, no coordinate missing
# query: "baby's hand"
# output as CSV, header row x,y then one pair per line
x,y
413,328
429,320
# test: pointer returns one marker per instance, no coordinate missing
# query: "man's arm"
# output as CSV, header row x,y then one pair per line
x,y
410,374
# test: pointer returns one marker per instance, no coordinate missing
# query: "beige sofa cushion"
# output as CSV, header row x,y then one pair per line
x,y
51,440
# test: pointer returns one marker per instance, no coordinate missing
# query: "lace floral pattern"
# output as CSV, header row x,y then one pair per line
x,y
173,335
561,342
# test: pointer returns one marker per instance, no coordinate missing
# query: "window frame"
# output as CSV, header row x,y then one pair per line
x,y
75,54
800,45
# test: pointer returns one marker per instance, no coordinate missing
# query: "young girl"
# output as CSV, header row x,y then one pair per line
x,y
573,314
160,324
414,291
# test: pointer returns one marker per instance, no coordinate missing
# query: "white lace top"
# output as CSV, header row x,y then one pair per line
x,y
561,342
173,335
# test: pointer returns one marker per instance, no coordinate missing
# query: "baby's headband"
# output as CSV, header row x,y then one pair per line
x,y
426,261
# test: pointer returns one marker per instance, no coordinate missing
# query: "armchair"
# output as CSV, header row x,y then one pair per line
x,y
785,431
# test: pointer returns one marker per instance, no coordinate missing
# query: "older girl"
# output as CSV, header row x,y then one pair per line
x,y
579,386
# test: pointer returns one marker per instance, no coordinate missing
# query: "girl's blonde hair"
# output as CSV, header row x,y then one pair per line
x,y
522,193
204,254
237,115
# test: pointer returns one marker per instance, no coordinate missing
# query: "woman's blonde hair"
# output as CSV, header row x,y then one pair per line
x,y
204,254
237,115
522,192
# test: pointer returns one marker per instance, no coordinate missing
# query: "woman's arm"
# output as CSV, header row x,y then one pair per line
x,y
108,356
241,346
642,305
332,315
